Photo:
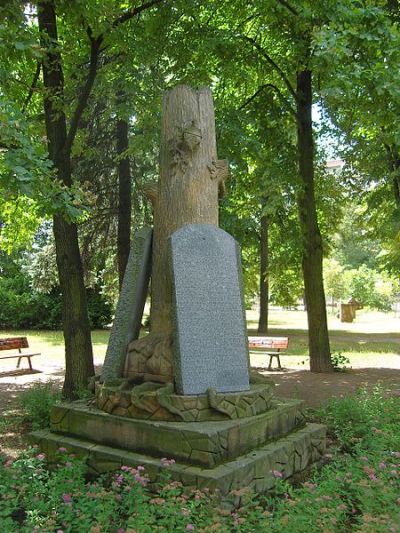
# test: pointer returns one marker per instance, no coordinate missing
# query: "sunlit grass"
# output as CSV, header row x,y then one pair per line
x,y
372,340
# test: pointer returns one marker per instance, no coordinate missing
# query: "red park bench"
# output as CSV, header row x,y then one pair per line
x,y
272,346
16,343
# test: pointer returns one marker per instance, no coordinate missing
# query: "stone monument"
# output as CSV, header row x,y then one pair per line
x,y
211,349
186,391
129,312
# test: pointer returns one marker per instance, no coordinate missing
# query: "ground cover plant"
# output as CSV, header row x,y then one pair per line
x,y
356,489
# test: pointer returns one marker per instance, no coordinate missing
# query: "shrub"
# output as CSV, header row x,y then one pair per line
x,y
37,402
24,308
339,362
357,489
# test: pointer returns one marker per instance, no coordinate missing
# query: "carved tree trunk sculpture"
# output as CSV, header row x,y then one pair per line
x,y
187,193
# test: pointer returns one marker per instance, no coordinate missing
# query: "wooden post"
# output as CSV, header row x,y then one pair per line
x,y
191,179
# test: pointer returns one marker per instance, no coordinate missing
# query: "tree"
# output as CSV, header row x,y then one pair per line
x,y
124,194
361,96
186,193
292,82
78,348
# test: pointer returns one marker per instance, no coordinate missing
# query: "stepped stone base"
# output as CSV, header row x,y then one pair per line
x,y
287,455
224,455
205,444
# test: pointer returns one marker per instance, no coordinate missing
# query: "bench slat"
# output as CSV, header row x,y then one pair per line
x,y
13,343
18,355
269,342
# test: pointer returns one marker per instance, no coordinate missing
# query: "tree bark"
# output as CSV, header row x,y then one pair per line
x,y
124,196
320,356
264,276
78,347
394,167
187,193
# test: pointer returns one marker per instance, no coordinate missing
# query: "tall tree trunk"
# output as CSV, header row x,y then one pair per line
x,y
320,356
187,193
78,347
124,196
394,167
264,276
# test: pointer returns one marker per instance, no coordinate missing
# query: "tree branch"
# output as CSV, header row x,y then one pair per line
x,y
271,62
95,51
131,13
273,87
95,44
33,86
288,7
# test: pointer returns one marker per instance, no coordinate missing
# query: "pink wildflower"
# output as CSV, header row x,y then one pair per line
x,y
190,527
41,456
62,449
121,530
67,498
364,458
382,465
140,468
342,507
372,477
68,464
119,478
167,462
142,480
276,473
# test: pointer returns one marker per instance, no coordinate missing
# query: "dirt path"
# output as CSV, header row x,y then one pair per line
x,y
316,389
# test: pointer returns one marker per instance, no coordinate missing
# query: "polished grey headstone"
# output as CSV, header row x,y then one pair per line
x,y
131,302
210,329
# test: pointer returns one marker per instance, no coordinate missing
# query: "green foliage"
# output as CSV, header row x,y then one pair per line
x,y
287,288
372,290
37,402
335,281
356,489
25,308
339,362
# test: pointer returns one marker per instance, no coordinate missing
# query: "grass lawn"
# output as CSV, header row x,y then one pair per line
x,y
373,340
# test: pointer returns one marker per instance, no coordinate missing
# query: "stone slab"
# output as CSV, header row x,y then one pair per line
x,y
202,443
132,299
211,349
254,469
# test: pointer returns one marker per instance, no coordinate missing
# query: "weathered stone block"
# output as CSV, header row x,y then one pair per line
x,y
210,329
184,441
132,299
252,469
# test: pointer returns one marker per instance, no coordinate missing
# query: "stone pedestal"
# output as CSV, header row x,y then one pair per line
x,y
224,455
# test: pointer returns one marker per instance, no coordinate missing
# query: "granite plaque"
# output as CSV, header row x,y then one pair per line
x,y
210,339
131,302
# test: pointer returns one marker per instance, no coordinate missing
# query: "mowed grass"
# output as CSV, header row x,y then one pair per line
x,y
373,340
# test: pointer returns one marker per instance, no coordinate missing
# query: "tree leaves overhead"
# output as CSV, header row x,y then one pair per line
x,y
249,53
